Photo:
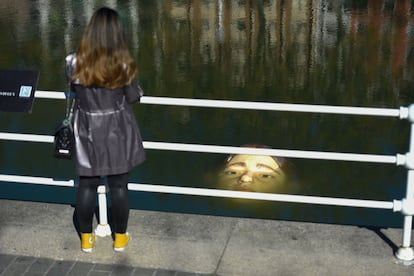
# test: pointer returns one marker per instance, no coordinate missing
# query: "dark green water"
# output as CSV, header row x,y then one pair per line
x,y
356,53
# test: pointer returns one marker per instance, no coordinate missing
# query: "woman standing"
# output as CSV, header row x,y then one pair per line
x,y
108,141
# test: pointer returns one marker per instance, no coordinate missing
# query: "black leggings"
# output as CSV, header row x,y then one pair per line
x,y
86,199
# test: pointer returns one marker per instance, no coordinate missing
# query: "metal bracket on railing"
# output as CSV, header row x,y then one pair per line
x,y
403,112
407,206
410,115
397,205
406,160
401,159
405,254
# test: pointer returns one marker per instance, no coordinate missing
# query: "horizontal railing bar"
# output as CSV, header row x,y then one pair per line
x,y
345,110
59,95
26,137
262,196
36,180
373,158
217,193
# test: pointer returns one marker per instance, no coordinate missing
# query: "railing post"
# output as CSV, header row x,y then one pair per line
x,y
405,252
103,229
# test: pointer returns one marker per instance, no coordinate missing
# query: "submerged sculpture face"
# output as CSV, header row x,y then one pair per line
x,y
252,173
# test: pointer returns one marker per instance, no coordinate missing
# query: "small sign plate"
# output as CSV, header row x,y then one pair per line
x,y
17,90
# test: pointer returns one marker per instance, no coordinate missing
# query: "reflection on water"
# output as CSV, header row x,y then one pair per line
x,y
339,52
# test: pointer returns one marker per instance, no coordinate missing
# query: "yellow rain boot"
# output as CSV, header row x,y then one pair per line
x,y
121,241
87,242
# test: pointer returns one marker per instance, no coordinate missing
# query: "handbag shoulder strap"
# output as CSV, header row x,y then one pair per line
x,y
70,102
70,96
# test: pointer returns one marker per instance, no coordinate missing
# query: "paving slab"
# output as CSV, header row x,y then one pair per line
x,y
38,238
261,247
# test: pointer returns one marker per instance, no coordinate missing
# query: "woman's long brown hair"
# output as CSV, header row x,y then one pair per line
x,y
103,58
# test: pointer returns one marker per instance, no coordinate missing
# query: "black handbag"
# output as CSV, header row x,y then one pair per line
x,y
64,138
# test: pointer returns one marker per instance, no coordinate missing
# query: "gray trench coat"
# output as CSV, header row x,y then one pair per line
x,y
107,136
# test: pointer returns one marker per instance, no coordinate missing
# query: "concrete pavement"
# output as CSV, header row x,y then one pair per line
x,y
40,239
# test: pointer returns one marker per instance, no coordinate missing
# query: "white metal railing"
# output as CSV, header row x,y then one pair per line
x,y
398,159
406,206
343,110
392,205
